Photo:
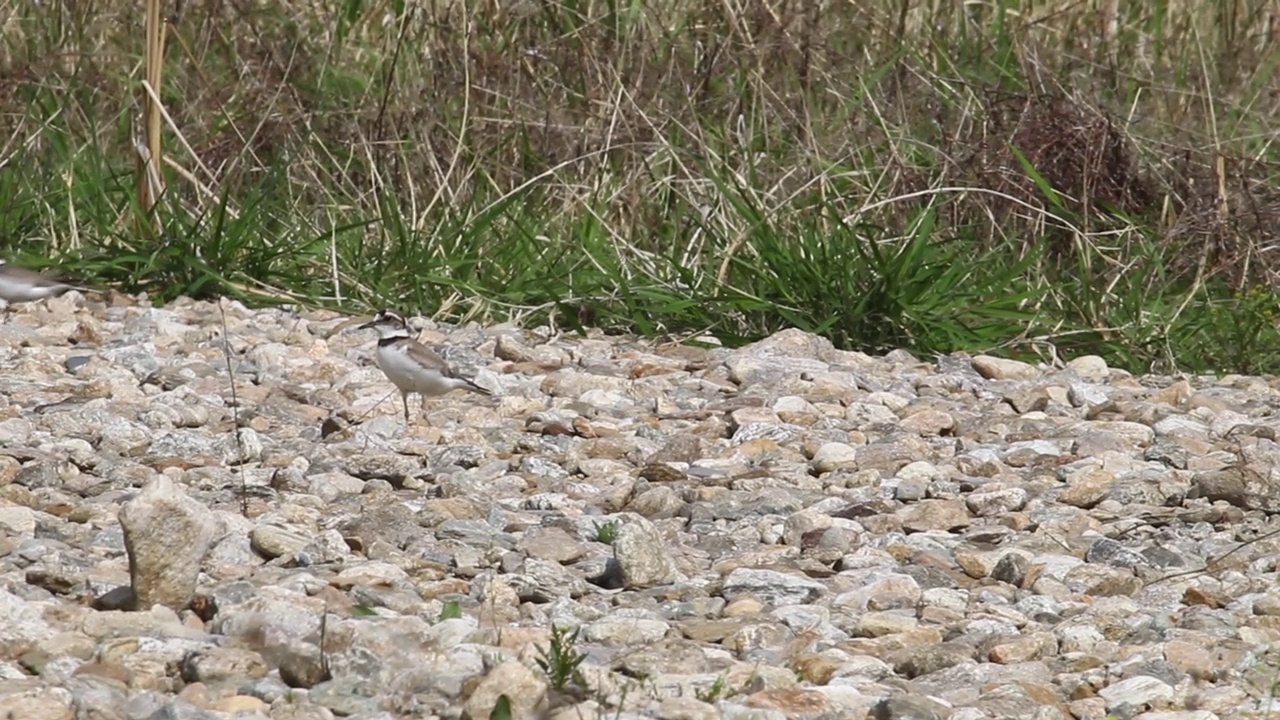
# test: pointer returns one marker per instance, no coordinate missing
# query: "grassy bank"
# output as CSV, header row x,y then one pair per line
x,y
1019,177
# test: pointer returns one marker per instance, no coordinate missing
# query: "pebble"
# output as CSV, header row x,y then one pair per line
x,y
781,530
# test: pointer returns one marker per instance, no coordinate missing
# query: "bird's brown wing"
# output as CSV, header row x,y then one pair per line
x,y
428,358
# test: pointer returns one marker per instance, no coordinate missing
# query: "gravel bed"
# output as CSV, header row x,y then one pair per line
x,y
626,529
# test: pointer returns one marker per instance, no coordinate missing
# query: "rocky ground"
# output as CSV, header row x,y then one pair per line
x,y
625,530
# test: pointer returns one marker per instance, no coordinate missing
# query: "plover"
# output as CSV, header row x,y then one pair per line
x,y
18,284
411,366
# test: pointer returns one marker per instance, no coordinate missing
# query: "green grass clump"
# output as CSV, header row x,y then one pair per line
x,y
1018,177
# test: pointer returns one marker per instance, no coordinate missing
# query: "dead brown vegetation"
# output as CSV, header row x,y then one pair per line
x,y
671,122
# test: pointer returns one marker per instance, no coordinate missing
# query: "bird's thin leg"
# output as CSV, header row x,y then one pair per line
x,y
404,397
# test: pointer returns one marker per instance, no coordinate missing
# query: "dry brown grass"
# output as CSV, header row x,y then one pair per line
x,y
478,97
670,124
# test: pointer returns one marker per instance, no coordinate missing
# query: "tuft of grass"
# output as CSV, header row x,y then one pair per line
x,y
1013,177
715,692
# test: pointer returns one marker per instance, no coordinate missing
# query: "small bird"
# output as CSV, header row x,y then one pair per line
x,y
19,284
410,365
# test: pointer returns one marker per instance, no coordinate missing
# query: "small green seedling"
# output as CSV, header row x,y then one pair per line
x,y
607,532
451,610
561,659
502,709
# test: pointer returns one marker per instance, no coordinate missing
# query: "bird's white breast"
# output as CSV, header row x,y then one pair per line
x,y
409,376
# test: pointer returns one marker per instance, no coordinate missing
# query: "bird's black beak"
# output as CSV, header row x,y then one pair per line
x,y
367,325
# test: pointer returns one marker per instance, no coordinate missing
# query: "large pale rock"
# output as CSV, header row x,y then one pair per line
x,y
523,689
642,555
167,535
